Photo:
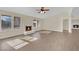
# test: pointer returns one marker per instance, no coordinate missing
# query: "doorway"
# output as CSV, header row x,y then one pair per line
x,y
65,25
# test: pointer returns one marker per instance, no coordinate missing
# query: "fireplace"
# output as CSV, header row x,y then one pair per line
x,y
28,28
75,26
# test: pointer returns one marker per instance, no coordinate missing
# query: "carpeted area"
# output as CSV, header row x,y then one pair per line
x,y
19,43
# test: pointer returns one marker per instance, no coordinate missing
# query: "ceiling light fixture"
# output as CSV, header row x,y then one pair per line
x,y
42,10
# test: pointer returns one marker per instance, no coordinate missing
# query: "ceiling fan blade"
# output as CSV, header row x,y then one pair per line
x,y
46,9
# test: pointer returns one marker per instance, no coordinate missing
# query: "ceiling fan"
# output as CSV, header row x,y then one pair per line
x,y
42,10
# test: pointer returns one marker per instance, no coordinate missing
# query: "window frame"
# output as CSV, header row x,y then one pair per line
x,y
10,25
17,18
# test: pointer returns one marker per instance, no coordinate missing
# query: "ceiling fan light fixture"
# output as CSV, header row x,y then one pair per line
x,y
43,10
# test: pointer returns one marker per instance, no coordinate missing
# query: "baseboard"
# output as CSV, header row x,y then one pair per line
x,y
11,36
52,30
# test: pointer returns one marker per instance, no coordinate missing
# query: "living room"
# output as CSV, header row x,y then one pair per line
x,y
38,28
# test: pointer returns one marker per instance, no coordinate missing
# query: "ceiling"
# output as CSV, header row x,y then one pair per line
x,y
31,11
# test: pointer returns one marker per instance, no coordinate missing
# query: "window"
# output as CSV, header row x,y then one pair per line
x,y
35,23
5,21
16,22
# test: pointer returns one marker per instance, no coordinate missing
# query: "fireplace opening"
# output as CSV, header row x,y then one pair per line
x,y
75,26
28,28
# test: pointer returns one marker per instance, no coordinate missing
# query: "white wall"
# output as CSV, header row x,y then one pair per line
x,y
53,23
